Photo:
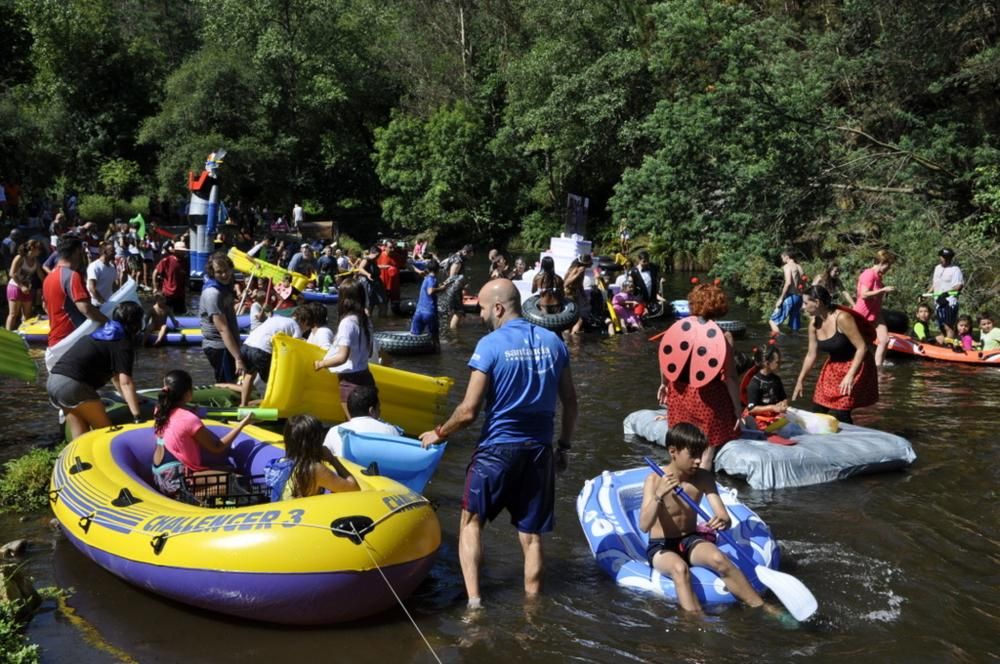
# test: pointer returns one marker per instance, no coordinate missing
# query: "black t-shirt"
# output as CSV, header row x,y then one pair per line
x,y
95,362
765,390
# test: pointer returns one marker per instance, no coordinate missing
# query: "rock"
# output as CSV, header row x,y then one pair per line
x,y
14,548
15,586
25,519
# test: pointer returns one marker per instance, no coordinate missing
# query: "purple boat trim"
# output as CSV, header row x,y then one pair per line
x,y
287,598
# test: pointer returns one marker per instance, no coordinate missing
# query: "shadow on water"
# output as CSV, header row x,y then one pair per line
x,y
903,564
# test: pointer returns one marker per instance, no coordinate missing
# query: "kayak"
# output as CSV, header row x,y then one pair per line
x,y
608,508
904,345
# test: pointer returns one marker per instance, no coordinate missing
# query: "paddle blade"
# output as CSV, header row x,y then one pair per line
x,y
791,592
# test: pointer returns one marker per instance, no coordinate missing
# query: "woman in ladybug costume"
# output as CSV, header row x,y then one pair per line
x,y
698,382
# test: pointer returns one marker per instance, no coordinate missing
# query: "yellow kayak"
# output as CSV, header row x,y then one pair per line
x,y
255,267
413,401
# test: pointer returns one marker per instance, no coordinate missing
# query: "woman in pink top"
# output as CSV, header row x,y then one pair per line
x,y
182,438
869,302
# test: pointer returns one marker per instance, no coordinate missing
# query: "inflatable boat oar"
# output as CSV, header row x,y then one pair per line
x,y
260,414
656,337
790,591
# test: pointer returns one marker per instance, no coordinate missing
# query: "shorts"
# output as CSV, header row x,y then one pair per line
x,y
170,479
68,393
15,294
947,314
256,361
682,545
222,363
425,322
518,477
177,303
352,381
790,310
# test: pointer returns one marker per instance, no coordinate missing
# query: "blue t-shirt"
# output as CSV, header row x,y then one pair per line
x,y
427,304
524,363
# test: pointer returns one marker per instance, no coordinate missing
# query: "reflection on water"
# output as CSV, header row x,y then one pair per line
x,y
903,565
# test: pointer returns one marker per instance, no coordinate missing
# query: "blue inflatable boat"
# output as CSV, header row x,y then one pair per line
x,y
398,457
608,508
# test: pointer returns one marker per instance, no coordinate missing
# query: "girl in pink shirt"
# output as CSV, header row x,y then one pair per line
x,y
181,438
870,295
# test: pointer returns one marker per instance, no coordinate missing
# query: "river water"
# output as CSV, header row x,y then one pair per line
x,y
904,565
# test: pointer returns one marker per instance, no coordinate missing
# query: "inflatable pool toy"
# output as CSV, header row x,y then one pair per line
x,y
186,322
815,458
255,267
737,328
904,345
404,343
14,358
206,211
397,457
557,322
127,292
608,509
603,288
302,561
413,401
318,296
187,337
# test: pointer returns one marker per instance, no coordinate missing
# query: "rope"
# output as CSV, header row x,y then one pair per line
x,y
368,549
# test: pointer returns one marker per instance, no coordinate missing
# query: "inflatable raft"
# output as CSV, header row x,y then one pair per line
x,y
321,297
904,345
255,267
413,401
813,459
302,561
608,509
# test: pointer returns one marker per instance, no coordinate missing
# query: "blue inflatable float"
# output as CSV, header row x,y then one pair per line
x,y
398,458
608,508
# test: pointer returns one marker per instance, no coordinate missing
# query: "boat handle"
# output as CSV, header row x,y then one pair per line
x,y
85,522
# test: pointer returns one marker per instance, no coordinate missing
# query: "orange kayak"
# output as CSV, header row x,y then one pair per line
x,y
904,345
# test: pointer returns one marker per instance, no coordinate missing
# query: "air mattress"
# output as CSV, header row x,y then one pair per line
x,y
814,459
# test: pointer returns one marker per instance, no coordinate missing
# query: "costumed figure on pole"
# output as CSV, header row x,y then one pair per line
x,y
204,212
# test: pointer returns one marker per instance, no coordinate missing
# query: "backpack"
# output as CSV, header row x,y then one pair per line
x,y
277,472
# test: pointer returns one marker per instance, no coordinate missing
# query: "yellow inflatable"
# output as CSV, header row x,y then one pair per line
x,y
413,401
302,561
254,267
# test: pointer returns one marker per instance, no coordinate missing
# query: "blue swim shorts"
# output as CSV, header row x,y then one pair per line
x,y
517,476
947,314
425,322
790,310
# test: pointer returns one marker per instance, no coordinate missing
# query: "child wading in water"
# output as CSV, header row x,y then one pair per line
x,y
675,539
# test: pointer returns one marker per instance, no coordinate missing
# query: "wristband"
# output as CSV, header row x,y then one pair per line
x,y
439,431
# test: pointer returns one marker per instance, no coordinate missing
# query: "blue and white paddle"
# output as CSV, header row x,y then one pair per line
x,y
790,591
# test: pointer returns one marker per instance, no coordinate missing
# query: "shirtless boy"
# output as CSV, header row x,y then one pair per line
x,y
675,541
788,307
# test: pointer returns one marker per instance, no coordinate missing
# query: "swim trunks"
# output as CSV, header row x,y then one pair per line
x,y
517,476
682,545
789,310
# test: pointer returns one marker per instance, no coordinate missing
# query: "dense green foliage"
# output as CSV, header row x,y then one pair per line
x,y
720,130
14,648
24,483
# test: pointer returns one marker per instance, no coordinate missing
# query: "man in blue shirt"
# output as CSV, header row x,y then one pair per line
x,y
519,370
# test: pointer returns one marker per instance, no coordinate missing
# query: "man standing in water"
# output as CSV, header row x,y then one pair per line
x,y
946,284
789,304
519,370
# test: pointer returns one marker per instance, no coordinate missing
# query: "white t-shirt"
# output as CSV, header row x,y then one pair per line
x,y
256,315
349,334
945,279
363,424
321,336
262,336
297,214
104,275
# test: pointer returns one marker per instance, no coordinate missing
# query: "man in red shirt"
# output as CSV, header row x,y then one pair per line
x,y
171,277
66,298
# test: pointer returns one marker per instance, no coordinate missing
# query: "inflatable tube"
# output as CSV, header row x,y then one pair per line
x,y
398,458
317,296
14,358
404,343
236,561
405,307
556,322
128,292
608,509
737,328
814,459
903,345
255,267
412,401
186,322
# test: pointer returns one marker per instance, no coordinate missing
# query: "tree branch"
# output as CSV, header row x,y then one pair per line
x,y
926,163
917,191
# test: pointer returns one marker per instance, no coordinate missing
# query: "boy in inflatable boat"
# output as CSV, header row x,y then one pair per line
x,y
676,541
